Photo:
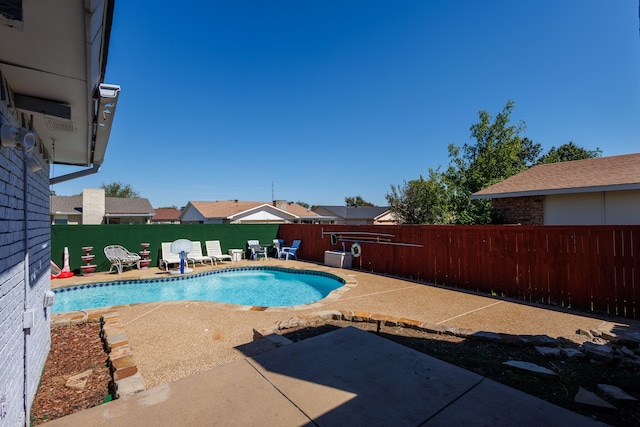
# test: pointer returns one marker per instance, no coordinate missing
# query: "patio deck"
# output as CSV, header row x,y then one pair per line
x,y
175,339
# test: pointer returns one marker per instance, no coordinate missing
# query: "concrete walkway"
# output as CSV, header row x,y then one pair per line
x,y
343,378
201,367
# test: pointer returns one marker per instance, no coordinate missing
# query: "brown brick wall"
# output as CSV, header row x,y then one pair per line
x,y
520,210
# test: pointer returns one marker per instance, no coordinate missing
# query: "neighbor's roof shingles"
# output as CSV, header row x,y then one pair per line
x,y
166,214
229,208
114,206
127,206
578,176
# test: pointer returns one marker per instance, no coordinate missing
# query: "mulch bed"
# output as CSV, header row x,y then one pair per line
x,y
74,349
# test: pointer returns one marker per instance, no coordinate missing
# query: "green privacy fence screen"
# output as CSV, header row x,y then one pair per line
x,y
75,237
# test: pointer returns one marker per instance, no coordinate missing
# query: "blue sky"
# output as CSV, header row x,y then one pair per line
x,y
315,101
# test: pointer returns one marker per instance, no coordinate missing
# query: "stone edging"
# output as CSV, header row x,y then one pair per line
x,y
608,347
124,372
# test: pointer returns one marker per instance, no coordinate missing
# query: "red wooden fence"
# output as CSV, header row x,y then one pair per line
x,y
594,268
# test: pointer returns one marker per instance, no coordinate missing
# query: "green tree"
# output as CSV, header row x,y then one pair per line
x,y
356,201
498,153
568,152
118,189
419,201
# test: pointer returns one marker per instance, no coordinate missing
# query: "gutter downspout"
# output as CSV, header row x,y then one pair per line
x,y
74,175
25,331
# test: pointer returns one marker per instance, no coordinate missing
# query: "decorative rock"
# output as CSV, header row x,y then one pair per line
x,y
122,362
549,351
433,329
587,398
512,339
409,323
531,367
361,316
129,385
543,340
602,353
119,374
585,333
117,352
459,332
113,316
329,314
615,392
384,319
278,340
571,352
625,352
79,381
293,322
629,339
486,336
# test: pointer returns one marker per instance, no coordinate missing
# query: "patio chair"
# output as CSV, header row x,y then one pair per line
x,y
256,250
290,251
215,252
121,258
169,257
278,244
196,255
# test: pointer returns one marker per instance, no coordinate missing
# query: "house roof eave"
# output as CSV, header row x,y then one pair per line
x,y
555,191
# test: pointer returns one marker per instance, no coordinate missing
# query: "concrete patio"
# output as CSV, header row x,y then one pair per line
x,y
199,361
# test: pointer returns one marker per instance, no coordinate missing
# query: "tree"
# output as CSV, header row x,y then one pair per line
x,y
568,152
118,189
356,201
419,201
499,152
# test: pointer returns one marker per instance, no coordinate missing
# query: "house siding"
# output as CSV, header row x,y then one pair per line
x,y
24,278
520,210
597,208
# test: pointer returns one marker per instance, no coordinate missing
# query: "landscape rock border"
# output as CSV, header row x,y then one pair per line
x,y
604,347
121,361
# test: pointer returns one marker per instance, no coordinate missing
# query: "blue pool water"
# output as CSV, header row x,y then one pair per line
x,y
267,287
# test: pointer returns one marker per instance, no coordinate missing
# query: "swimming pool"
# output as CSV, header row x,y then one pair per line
x,y
254,286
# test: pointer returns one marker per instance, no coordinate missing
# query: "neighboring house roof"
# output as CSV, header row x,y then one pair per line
x,y
231,209
124,206
114,206
356,212
579,176
166,214
67,205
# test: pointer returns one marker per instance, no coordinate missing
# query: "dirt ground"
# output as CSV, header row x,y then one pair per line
x,y
75,349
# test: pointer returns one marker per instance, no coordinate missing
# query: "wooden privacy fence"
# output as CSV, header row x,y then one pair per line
x,y
594,268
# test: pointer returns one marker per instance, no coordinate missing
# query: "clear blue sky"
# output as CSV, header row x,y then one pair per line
x,y
315,101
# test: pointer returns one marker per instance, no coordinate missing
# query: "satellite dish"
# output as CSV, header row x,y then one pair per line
x,y
182,247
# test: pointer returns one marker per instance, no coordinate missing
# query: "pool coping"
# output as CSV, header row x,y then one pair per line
x,y
349,282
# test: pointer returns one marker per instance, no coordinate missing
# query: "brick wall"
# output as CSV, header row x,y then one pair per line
x,y
520,210
24,278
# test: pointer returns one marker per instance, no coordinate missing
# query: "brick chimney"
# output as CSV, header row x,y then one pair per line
x,y
281,204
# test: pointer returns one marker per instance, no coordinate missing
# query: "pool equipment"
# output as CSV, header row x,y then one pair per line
x,y
182,247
